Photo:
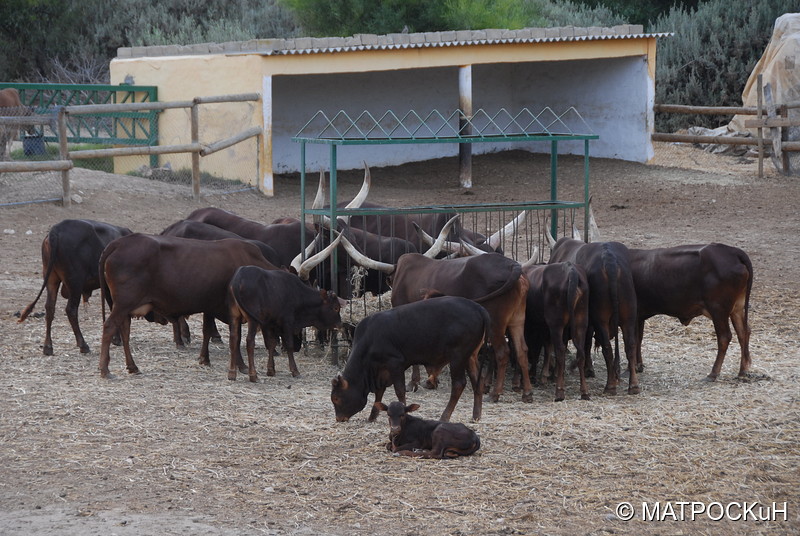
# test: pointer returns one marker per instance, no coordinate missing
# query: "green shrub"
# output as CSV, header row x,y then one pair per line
x,y
708,60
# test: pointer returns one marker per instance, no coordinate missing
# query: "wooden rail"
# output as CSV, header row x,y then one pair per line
x,y
64,164
769,116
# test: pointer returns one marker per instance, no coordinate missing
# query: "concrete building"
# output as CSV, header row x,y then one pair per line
x,y
606,74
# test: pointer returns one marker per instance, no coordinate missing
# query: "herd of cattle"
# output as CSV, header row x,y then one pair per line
x,y
454,298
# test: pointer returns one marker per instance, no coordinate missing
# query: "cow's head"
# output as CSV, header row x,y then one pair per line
x,y
397,412
347,401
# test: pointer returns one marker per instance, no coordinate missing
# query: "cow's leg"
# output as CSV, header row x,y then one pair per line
x,y
518,339
271,342
50,312
724,336
177,336
288,337
476,380
639,337
125,334
630,329
208,322
612,379
378,397
560,350
500,350
252,331
413,385
72,315
234,344
739,320
215,336
578,334
458,381
109,329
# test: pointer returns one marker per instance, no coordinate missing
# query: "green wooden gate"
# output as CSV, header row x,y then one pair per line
x,y
110,128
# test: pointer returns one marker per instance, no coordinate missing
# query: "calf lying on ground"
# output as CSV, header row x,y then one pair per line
x,y
412,436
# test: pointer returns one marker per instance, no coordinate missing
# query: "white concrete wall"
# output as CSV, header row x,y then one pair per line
x,y
612,95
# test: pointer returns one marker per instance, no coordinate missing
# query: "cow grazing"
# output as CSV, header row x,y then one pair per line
x,y
423,438
279,304
612,301
712,280
492,280
11,106
284,238
557,310
172,277
205,231
436,332
70,253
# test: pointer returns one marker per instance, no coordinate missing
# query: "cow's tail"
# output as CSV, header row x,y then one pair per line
x,y
611,267
745,259
573,292
516,271
52,239
105,292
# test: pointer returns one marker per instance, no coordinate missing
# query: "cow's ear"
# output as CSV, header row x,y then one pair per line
x,y
412,407
323,294
339,382
381,406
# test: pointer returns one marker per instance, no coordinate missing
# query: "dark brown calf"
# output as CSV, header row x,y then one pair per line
x,y
412,436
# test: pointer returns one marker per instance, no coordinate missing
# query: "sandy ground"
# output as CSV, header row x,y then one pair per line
x,y
181,450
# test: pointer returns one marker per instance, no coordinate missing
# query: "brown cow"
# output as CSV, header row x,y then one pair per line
x,y
279,304
11,106
423,438
172,277
70,253
437,332
557,310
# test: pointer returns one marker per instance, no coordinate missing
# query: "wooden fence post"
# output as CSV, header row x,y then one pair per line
x,y
63,152
760,130
195,154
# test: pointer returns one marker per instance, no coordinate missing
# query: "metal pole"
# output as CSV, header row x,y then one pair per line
x,y
302,196
554,187
586,191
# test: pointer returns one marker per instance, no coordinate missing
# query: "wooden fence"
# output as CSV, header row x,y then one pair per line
x,y
64,163
774,117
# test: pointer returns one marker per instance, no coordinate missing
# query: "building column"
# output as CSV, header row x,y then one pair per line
x,y
267,184
464,128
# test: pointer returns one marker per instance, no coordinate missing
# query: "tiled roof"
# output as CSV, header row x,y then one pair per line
x,y
395,41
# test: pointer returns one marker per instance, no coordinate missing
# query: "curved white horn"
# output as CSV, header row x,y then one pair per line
x,y
363,260
322,191
594,232
441,239
298,260
472,250
576,233
534,257
305,269
428,240
358,200
550,240
510,228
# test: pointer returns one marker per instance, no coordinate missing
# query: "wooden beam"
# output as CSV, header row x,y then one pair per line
x,y
713,110
689,138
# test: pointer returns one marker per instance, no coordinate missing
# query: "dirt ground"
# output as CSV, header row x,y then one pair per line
x,y
179,449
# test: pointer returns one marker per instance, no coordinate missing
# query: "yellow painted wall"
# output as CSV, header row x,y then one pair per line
x,y
181,78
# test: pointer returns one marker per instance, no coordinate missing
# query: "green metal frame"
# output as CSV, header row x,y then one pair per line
x,y
435,127
114,128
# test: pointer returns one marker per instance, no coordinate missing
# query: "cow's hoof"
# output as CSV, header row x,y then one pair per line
x,y
85,349
430,385
105,375
634,390
412,387
232,375
254,378
639,368
560,395
585,396
270,372
611,391
243,369
295,374
216,339
494,397
133,370
710,378
47,350
527,398
590,373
